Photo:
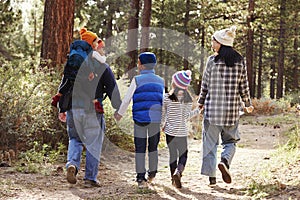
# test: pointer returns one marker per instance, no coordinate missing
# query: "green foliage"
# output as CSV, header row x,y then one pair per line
x,y
259,190
294,138
35,159
9,18
25,111
273,178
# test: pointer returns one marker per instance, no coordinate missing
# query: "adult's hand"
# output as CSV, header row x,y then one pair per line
x,y
249,109
62,117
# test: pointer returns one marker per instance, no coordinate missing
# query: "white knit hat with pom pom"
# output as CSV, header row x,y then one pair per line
x,y
225,36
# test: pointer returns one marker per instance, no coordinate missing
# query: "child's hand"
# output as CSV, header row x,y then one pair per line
x,y
201,108
117,116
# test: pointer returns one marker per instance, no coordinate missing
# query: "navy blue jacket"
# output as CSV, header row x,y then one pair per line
x,y
85,90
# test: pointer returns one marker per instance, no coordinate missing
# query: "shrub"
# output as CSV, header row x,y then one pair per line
x,y
267,106
25,111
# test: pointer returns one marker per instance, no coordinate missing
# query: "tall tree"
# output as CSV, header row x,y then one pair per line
x,y
249,47
272,78
187,33
132,39
57,32
9,19
160,36
279,91
146,18
260,54
296,60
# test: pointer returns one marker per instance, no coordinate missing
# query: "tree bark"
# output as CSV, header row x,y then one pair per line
x,y
259,80
57,32
249,47
279,92
295,86
146,18
202,61
272,79
132,39
109,29
161,40
187,33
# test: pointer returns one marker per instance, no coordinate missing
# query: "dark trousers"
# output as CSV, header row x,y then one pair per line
x,y
143,133
177,149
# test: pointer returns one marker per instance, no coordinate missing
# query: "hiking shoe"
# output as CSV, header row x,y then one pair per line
x,y
177,179
71,174
90,183
225,172
142,183
212,181
150,179
151,176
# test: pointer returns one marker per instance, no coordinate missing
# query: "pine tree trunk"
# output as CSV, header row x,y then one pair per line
x,y
132,39
279,92
272,79
187,33
259,80
296,60
249,47
108,35
202,61
57,32
161,39
146,18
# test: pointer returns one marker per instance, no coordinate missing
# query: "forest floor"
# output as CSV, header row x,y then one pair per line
x,y
254,163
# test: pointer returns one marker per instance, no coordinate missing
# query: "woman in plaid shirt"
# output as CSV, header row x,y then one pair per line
x,y
224,85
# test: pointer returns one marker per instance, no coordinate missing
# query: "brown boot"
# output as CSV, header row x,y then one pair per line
x,y
172,176
177,175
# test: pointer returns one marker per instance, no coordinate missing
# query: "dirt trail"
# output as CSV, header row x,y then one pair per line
x,y
117,174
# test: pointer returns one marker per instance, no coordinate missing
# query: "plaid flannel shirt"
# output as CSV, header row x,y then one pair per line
x,y
222,90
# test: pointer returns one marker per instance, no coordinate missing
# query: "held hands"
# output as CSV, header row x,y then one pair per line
x,y
117,116
201,108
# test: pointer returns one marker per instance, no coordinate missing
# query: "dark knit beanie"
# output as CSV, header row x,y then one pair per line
x,y
148,59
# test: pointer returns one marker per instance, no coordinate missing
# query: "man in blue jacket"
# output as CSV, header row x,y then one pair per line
x,y
146,90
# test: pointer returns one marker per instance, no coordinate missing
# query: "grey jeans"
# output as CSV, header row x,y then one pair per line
x,y
210,142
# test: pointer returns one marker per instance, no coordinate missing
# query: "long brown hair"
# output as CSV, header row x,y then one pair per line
x,y
187,98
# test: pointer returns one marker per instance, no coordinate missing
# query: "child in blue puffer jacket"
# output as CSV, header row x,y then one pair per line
x,y
146,90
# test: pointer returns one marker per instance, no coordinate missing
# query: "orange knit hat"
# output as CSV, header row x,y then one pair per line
x,y
88,36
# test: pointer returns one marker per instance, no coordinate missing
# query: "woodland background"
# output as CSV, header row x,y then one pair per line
x,y
35,37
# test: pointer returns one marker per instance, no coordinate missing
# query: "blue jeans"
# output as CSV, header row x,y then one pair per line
x,y
142,132
85,129
210,138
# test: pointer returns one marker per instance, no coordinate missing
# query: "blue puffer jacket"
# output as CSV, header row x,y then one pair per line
x,y
148,97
